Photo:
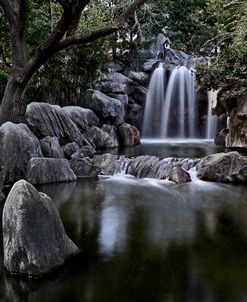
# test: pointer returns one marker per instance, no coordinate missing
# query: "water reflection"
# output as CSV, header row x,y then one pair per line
x,y
146,240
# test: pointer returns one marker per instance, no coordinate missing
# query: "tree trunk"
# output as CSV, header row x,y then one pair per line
x,y
13,104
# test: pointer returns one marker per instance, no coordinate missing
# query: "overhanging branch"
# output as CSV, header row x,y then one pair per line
x,y
9,12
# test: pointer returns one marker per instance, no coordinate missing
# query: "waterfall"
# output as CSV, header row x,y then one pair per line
x,y
212,120
172,109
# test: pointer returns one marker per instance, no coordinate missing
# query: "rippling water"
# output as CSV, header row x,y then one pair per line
x,y
146,240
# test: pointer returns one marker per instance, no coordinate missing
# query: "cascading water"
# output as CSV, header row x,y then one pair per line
x,y
172,109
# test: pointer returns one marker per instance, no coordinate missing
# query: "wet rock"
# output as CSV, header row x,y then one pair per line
x,y
69,149
102,138
223,167
34,239
49,170
140,77
128,135
50,120
134,114
82,117
179,175
220,137
237,135
138,95
50,147
111,164
150,65
17,146
84,166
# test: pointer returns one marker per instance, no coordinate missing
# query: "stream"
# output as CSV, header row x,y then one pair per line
x,y
146,240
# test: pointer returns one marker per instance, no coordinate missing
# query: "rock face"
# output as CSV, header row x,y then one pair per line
x,y
17,146
51,148
128,135
48,170
224,167
237,135
83,118
50,120
179,175
34,239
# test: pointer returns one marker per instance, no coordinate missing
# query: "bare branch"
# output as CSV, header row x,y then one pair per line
x,y
84,38
8,11
22,17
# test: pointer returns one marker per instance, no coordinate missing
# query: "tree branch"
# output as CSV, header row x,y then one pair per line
x,y
22,17
9,12
84,38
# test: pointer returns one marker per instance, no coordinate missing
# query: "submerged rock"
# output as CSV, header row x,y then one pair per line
x,y
17,146
34,239
50,120
49,170
223,167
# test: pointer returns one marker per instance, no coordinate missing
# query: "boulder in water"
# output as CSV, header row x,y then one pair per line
x,y
84,166
34,239
17,146
128,135
49,170
223,167
179,175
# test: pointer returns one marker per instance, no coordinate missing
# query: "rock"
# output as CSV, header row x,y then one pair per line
x,y
84,151
223,167
116,77
123,98
128,135
220,137
140,77
34,239
69,149
17,146
50,120
115,66
150,65
112,87
84,166
134,114
138,95
237,135
104,106
110,164
49,170
50,147
102,138
153,167
82,117
179,175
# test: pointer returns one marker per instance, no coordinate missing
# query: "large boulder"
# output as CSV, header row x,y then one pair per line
x,y
17,146
34,239
84,166
51,148
82,117
104,106
237,125
140,77
128,135
50,120
223,167
179,175
49,170
104,138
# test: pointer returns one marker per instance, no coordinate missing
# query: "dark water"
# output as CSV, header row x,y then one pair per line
x,y
146,240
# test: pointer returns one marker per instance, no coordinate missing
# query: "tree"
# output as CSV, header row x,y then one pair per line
x,y
63,35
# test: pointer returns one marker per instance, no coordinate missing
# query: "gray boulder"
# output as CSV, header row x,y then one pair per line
x,y
112,87
69,149
116,77
111,164
51,148
103,105
223,167
102,138
50,120
123,98
179,175
49,170
134,114
82,117
128,135
84,151
34,239
140,77
84,166
17,146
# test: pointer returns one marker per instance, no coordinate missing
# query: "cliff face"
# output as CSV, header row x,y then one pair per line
x,y
237,125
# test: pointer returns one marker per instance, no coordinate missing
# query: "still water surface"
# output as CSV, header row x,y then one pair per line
x,y
145,240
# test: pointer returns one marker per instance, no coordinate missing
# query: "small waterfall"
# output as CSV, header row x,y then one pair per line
x,y
212,120
171,107
154,103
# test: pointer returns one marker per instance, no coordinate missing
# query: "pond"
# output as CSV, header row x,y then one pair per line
x,y
145,240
